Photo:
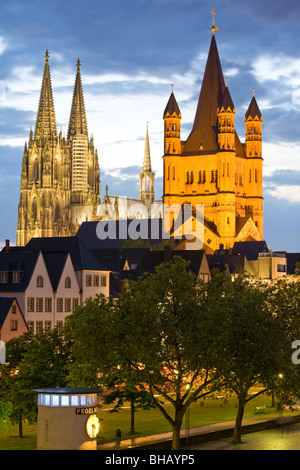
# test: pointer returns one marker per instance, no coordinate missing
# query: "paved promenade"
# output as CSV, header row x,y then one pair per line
x,y
210,431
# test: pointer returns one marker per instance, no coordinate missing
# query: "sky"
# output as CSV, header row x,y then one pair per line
x,y
131,52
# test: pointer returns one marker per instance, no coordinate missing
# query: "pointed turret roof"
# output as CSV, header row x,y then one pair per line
x,y
45,123
77,123
147,159
172,107
211,94
226,102
253,110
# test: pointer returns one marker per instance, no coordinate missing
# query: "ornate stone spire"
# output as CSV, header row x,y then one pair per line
x,y
77,123
45,123
147,159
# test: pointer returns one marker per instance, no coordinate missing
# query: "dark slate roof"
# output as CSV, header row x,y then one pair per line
x,y
88,233
253,110
18,261
222,262
5,304
250,249
82,258
114,259
172,107
55,263
291,260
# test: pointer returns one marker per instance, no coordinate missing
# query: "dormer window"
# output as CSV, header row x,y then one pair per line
x,y
4,277
16,277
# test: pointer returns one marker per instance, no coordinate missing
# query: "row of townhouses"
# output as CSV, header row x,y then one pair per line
x,y
42,282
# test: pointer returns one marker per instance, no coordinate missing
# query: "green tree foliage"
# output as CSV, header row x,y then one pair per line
x,y
33,361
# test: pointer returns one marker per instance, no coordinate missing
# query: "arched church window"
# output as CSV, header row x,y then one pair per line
x,y
68,282
40,281
36,170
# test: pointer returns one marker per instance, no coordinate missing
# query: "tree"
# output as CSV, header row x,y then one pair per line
x,y
97,349
248,347
166,339
33,361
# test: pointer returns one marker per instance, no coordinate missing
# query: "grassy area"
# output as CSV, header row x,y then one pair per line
x,y
146,422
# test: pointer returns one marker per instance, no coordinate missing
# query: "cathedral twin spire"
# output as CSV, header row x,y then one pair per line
x,y
46,123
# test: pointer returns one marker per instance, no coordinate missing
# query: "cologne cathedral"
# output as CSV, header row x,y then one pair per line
x,y
60,176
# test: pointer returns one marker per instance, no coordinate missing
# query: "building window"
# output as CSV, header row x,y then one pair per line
x,y
16,277
47,325
192,177
4,277
88,281
103,281
13,325
48,304
13,309
281,268
39,304
68,283
40,281
30,325
75,303
96,281
59,325
67,305
60,305
187,177
39,327
30,304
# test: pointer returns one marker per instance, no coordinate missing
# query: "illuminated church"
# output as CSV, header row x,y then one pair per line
x,y
60,179
213,167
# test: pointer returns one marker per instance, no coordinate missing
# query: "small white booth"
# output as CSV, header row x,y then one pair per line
x,y
67,419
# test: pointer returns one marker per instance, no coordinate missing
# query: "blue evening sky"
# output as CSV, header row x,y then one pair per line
x,y
131,52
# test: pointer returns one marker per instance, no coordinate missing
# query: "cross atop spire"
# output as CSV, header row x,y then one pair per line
x,y
214,28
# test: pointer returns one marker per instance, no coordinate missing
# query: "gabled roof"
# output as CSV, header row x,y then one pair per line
x,y
18,261
55,263
5,304
82,258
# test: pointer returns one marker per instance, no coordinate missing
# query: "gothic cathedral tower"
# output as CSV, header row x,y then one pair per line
x,y
212,167
60,177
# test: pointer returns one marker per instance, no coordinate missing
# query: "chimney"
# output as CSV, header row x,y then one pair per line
x,y
6,246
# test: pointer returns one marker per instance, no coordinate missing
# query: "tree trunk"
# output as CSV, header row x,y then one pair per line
x,y
20,428
132,431
237,434
176,436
